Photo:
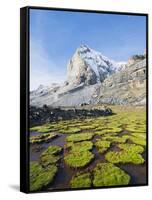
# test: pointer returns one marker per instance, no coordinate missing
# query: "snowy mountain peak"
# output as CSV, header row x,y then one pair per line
x,y
87,63
83,49
99,59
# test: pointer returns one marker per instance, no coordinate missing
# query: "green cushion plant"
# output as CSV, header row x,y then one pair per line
x,y
81,180
49,156
78,159
102,145
41,177
79,137
130,153
107,174
46,137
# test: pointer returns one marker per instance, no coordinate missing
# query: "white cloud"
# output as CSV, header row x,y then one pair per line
x,y
43,70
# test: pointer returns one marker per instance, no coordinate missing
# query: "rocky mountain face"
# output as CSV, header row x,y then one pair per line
x,y
125,87
93,78
134,59
90,67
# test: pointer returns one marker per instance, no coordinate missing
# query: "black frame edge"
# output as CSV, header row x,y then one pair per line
x,y
147,96
85,10
24,169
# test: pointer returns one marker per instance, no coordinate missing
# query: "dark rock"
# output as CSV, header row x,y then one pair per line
x,y
55,114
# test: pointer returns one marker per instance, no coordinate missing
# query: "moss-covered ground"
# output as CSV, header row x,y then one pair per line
x,y
79,154
50,155
103,174
78,159
79,146
81,180
119,138
102,145
107,174
41,177
79,137
46,137
129,153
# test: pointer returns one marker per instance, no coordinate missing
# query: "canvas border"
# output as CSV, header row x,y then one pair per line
x,y
24,94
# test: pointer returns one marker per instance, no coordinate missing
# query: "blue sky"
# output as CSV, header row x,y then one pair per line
x,y
55,35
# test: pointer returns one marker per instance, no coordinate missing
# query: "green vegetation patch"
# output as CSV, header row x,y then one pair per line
x,y
105,133
139,135
136,139
70,130
52,150
49,156
107,174
35,128
114,129
49,160
131,148
130,153
44,128
46,137
102,145
100,133
80,146
115,138
78,159
79,137
39,176
99,129
136,128
87,127
81,180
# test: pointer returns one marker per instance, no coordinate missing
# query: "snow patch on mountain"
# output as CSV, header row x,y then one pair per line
x,y
100,64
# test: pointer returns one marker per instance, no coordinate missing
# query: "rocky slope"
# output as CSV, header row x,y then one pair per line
x,y
93,78
125,87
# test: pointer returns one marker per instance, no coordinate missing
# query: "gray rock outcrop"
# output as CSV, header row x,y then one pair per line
x,y
48,114
125,87
79,72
